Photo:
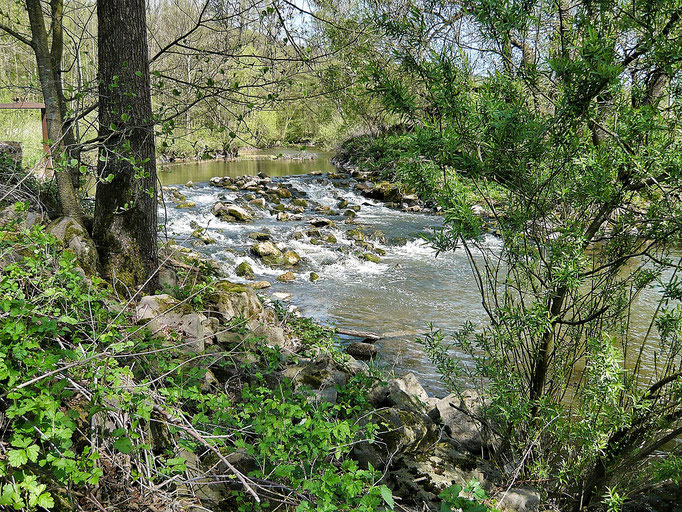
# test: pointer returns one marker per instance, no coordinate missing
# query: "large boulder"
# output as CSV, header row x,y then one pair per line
x,y
385,191
362,350
520,499
72,236
164,313
419,480
404,393
457,413
273,336
402,431
237,301
322,375
266,249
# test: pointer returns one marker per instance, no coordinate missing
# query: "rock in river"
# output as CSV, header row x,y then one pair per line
x,y
265,249
287,277
245,270
362,350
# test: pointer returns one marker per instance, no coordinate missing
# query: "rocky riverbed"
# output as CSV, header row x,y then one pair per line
x,y
344,249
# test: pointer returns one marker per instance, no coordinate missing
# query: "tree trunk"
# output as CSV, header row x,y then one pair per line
x,y
125,225
51,90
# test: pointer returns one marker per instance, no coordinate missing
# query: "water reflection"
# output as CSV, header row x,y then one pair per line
x,y
249,164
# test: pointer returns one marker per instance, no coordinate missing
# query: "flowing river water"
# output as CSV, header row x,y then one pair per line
x,y
400,296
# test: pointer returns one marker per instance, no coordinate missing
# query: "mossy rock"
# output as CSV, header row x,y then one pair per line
x,y
330,239
291,258
299,202
72,236
266,249
314,277
245,270
283,192
185,204
355,234
226,286
200,234
259,236
287,277
368,256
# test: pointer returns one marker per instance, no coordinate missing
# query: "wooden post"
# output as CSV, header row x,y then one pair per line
x,y
46,144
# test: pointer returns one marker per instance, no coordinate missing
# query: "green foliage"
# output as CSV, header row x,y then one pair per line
x,y
574,155
70,364
469,498
46,324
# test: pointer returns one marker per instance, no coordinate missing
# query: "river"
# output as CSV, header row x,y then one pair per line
x,y
400,296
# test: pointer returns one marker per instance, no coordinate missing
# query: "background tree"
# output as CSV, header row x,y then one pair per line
x,y
567,134
48,56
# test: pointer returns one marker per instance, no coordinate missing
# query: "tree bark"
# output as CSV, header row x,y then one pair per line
x,y
52,96
125,227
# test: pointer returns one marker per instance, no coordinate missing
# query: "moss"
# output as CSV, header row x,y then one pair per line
x,y
226,286
245,270
287,277
368,256
355,234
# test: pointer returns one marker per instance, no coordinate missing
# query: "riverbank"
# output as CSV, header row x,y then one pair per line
x,y
202,394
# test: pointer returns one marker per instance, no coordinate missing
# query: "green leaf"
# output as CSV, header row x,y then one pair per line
x,y
387,495
17,458
124,445
45,500
32,452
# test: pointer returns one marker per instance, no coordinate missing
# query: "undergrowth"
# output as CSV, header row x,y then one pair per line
x,y
98,412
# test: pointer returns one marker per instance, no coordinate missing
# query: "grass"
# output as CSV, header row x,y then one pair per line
x,y
24,126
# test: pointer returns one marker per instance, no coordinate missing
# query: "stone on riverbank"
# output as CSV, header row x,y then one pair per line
x,y
72,236
466,432
164,312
